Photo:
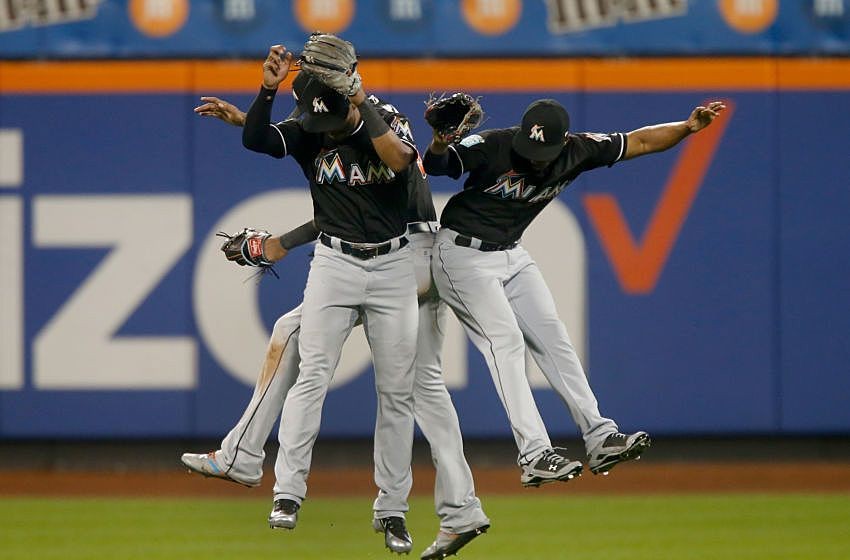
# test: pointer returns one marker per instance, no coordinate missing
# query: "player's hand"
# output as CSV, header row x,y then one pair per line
x,y
358,97
276,67
701,117
221,109
273,250
439,143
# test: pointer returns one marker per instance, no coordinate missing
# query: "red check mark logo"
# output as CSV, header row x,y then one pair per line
x,y
639,265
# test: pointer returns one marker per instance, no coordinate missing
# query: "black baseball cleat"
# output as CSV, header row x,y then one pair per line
x,y
550,466
284,515
395,533
447,544
617,448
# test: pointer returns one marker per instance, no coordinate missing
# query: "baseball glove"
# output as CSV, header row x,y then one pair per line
x,y
332,61
455,116
246,249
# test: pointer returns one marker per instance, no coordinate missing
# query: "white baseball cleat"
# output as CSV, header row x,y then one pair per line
x,y
207,465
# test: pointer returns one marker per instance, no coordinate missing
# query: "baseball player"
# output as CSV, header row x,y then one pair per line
x,y
241,455
495,287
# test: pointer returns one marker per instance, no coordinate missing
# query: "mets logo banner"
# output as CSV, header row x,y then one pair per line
x,y
245,28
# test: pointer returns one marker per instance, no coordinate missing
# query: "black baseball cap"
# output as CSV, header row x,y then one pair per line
x,y
542,134
323,109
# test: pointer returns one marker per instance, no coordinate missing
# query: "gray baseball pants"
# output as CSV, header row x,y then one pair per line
x,y
455,501
505,305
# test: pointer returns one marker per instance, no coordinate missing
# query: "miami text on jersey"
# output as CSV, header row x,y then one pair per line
x,y
550,192
329,169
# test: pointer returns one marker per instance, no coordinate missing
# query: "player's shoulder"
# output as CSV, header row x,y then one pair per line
x,y
500,134
396,120
491,138
601,147
385,108
596,137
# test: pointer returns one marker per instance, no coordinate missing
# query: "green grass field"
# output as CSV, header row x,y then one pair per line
x,y
738,527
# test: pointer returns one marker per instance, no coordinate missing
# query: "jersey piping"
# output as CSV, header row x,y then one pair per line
x,y
285,151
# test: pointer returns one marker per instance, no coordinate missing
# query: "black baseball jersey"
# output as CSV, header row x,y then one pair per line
x,y
502,194
356,196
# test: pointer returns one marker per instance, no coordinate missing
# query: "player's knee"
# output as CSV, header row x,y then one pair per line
x,y
314,376
285,329
512,343
428,379
395,386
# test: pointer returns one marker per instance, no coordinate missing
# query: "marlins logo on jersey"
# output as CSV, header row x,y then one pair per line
x,y
401,127
515,186
511,185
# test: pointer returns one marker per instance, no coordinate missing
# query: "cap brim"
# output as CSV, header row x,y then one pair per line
x,y
535,151
325,123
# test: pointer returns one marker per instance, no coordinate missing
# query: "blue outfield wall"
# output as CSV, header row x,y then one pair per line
x,y
131,323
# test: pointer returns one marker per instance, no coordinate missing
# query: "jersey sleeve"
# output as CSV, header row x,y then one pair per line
x,y
470,153
397,121
295,141
599,150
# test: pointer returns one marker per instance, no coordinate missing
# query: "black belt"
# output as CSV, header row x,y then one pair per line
x,y
422,227
362,251
481,245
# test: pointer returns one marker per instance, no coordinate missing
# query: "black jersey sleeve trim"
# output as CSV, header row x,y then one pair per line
x,y
622,147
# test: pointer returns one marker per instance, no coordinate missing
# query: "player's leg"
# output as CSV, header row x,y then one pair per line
x,y
470,281
240,458
550,345
459,509
455,502
329,311
390,321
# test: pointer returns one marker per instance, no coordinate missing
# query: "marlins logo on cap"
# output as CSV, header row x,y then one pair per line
x,y
542,134
323,109
537,133
319,105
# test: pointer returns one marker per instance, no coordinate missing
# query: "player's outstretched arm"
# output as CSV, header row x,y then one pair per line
x,y
450,118
659,137
221,109
257,135
259,248
438,160
278,247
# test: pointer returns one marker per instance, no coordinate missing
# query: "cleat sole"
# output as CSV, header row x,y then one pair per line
x,y
462,540
227,478
537,481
